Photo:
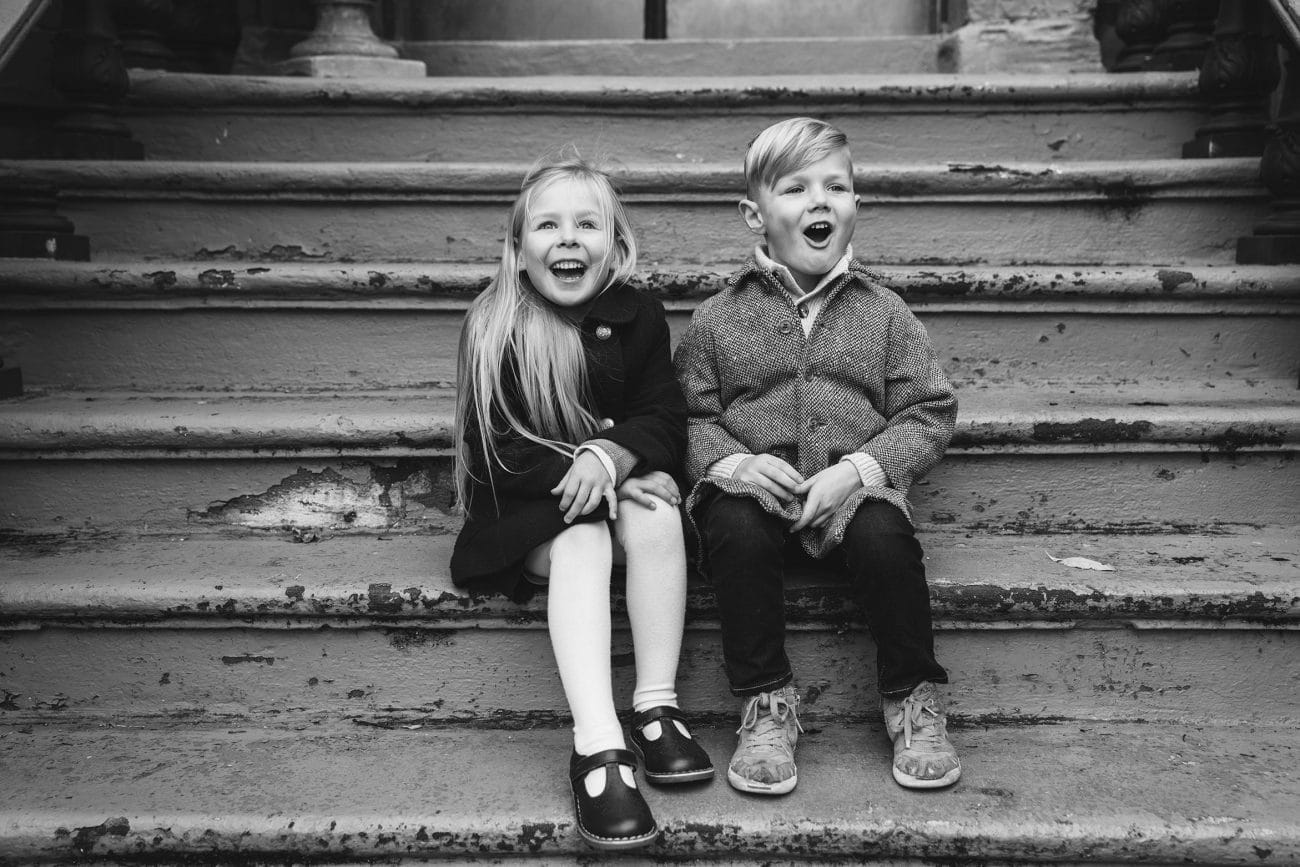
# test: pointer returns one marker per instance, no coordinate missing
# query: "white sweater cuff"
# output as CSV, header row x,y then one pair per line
x,y
869,469
726,467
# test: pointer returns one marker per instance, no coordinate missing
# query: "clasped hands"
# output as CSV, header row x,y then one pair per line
x,y
822,494
587,483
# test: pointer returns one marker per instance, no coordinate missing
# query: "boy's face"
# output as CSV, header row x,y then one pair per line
x,y
807,217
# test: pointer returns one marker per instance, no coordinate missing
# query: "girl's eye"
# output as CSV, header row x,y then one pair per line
x,y
587,224
546,224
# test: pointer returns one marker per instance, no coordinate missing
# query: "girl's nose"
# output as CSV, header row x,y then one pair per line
x,y
568,236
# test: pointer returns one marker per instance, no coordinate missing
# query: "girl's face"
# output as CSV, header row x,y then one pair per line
x,y
565,242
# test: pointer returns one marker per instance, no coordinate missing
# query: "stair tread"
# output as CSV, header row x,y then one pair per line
x,y
1228,415
50,283
1119,181
240,788
150,88
1232,573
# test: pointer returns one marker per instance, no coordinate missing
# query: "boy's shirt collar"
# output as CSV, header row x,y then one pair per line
x,y
782,273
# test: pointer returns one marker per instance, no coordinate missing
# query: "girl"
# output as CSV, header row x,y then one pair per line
x,y
570,424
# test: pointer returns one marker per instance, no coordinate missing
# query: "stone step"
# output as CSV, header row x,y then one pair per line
x,y
1117,212
1109,456
287,325
888,118
1189,627
274,790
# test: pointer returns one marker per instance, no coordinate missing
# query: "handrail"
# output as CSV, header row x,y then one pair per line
x,y
15,20
1288,13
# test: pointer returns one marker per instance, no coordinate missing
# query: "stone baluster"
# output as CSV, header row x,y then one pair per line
x,y
1188,25
31,228
344,45
1276,241
1141,25
142,27
89,72
11,380
1239,74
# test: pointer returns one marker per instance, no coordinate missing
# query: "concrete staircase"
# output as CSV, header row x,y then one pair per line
x,y
226,628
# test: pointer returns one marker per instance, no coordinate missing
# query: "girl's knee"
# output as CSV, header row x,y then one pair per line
x,y
636,522
585,540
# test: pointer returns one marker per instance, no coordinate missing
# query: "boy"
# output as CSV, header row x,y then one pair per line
x,y
815,401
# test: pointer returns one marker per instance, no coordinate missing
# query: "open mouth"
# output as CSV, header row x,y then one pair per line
x,y
818,232
568,270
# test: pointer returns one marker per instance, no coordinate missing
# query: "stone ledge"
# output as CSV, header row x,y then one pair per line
x,y
250,790
1235,577
1116,183
43,285
1224,418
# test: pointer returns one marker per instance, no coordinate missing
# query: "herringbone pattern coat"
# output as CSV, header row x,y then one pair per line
x,y
865,379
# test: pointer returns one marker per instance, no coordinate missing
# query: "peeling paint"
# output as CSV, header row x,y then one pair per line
x,y
353,496
1092,430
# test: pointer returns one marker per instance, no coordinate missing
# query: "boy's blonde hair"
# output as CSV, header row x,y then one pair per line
x,y
786,147
521,370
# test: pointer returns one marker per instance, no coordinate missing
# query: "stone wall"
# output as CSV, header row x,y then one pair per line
x,y
1027,36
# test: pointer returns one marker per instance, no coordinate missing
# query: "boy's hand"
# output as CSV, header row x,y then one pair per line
x,y
644,489
824,493
771,474
583,486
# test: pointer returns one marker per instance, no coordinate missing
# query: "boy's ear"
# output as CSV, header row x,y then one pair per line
x,y
752,216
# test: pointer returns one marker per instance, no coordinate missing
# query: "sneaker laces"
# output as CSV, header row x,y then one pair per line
x,y
915,726
768,730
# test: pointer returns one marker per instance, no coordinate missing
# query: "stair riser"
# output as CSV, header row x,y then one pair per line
x,y
368,348
705,231
999,489
507,677
999,133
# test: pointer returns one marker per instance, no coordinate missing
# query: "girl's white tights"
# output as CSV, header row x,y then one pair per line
x,y
578,562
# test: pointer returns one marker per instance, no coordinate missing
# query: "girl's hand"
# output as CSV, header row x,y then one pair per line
x,y
643,489
583,487
824,493
771,474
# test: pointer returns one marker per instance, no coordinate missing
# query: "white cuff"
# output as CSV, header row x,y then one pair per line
x,y
725,468
606,461
869,470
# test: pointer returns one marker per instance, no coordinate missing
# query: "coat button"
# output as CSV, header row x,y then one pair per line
x,y
603,332
784,328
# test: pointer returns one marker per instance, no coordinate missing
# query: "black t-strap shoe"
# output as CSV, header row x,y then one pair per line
x,y
617,818
672,757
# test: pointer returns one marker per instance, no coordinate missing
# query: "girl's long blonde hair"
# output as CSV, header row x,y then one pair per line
x,y
511,331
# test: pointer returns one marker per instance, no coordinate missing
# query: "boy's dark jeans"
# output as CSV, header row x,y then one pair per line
x,y
747,551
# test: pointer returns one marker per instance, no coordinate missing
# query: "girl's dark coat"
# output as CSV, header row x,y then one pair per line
x,y
629,363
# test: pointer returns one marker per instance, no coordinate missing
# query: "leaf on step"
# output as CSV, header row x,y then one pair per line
x,y
1081,563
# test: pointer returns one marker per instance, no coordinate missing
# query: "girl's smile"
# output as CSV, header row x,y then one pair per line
x,y
566,243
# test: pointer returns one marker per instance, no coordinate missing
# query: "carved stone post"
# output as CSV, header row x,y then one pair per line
x,y
1276,241
1188,25
1141,24
343,45
1239,73
142,26
89,72
31,228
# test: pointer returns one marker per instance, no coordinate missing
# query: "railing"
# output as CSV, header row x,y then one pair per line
x,y
16,18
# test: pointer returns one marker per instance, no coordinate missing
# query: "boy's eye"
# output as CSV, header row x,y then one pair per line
x,y
838,188
797,188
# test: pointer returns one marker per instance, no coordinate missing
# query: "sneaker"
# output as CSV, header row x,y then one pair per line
x,y
918,726
764,759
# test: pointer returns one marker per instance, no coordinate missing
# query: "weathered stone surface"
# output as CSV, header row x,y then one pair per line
x,y
247,790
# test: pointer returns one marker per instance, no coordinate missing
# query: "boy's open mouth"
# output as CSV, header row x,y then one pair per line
x,y
818,232
568,270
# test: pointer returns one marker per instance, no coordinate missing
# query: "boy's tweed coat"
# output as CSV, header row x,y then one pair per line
x,y
865,379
